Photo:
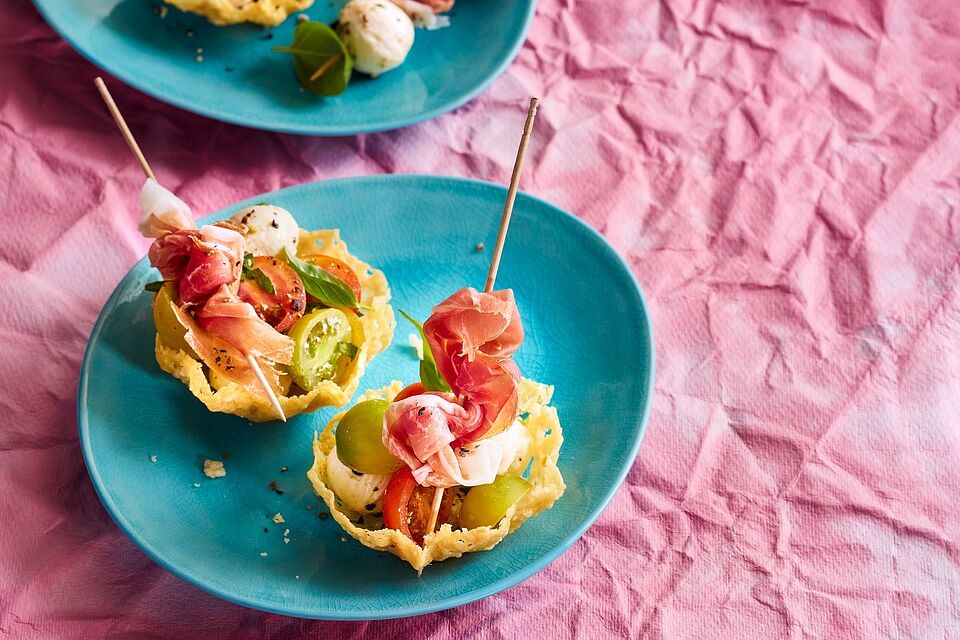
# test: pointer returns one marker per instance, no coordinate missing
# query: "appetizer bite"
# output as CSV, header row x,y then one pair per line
x,y
471,431
370,36
455,462
260,318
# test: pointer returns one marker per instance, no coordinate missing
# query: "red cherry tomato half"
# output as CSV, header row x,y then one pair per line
x,y
407,506
286,304
337,268
410,390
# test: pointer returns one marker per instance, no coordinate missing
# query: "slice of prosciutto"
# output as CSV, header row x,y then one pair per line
x,y
170,253
235,322
200,260
215,259
469,324
226,359
421,431
472,336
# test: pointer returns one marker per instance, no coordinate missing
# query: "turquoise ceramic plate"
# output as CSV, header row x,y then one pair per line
x,y
241,81
588,333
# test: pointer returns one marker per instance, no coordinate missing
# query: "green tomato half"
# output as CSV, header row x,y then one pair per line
x,y
322,344
359,440
486,505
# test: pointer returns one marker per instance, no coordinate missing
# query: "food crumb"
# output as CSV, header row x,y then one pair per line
x,y
196,485
273,487
343,538
199,58
479,247
263,554
309,507
199,49
297,577
284,469
189,33
416,343
303,17
324,515
278,519
153,458
213,469
162,11
286,537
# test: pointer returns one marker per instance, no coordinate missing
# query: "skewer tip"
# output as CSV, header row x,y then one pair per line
x,y
271,396
511,195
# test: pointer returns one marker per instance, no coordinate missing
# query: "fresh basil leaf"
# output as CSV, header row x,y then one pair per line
x,y
249,272
327,288
429,375
314,45
262,279
153,287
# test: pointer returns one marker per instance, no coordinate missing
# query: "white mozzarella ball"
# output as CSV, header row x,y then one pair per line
x,y
161,211
377,34
483,460
362,493
269,229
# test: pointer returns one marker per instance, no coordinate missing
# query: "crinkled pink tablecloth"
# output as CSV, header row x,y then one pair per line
x,y
784,182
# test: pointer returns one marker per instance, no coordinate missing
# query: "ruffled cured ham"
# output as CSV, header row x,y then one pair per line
x,y
472,336
200,260
236,323
215,261
227,360
470,324
171,252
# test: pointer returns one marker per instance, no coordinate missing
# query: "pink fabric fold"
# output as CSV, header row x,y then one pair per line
x,y
781,177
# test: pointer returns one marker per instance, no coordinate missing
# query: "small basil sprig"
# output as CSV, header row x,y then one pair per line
x,y
429,375
154,287
250,272
325,287
320,59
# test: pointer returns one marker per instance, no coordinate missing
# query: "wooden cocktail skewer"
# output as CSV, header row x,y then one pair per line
x,y
124,129
497,253
322,69
135,148
511,196
262,379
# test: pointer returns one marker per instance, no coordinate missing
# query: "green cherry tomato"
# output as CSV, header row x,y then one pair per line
x,y
320,341
359,441
169,328
486,505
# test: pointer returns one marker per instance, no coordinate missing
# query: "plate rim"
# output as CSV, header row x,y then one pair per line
x,y
132,80
508,581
